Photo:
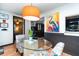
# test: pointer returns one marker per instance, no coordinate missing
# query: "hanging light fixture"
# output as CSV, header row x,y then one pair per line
x,y
31,13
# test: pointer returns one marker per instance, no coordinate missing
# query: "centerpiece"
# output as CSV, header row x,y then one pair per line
x,y
30,34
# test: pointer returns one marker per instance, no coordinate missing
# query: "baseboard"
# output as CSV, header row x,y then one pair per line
x,y
7,45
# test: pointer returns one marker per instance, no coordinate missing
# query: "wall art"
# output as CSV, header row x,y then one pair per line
x,y
4,25
52,23
4,16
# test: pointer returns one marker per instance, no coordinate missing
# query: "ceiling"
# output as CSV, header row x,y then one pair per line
x,y
17,7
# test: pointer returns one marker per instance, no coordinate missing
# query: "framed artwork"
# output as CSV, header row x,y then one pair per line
x,y
4,25
4,16
18,25
52,23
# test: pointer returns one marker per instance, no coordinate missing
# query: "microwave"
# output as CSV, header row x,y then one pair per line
x,y
72,23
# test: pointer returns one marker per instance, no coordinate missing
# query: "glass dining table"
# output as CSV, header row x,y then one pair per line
x,y
35,47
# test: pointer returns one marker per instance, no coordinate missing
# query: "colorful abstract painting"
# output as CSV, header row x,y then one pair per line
x,y
52,23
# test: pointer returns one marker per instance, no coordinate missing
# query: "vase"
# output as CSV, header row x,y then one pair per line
x,y
30,38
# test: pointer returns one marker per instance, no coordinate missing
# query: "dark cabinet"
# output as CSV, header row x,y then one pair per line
x,y
38,29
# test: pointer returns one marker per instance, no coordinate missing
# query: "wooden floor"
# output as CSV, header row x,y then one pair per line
x,y
10,50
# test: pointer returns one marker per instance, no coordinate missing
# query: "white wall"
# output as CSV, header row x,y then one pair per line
x,y
27,27
66,10
6,37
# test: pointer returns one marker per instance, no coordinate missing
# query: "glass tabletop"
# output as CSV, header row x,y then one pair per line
x,y
39,44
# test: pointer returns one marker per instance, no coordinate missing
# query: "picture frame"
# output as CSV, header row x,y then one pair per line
x,y
52,23
4,16
4,25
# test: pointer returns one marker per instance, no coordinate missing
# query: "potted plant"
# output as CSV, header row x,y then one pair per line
x,y
30,34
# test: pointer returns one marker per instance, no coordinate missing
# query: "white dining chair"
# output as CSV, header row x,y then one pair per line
x,y
18,39
58,49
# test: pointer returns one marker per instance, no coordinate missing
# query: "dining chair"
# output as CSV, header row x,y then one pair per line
x,y
58,49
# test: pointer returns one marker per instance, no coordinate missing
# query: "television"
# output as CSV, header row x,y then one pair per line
x,y
72,24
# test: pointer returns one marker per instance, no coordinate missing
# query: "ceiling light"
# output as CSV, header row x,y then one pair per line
x,y
31,13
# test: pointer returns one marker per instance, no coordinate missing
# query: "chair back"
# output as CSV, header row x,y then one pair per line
x,y
58,49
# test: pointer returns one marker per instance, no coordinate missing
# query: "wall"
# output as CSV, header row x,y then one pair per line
x,y
65,10
6,37
27,27
71,42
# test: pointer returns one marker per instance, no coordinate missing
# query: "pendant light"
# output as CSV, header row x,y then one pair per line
x,y
31,13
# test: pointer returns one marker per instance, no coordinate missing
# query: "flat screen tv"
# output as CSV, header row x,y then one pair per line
x,y
72,24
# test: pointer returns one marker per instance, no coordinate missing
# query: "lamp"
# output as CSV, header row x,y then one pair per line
x,y
31,13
